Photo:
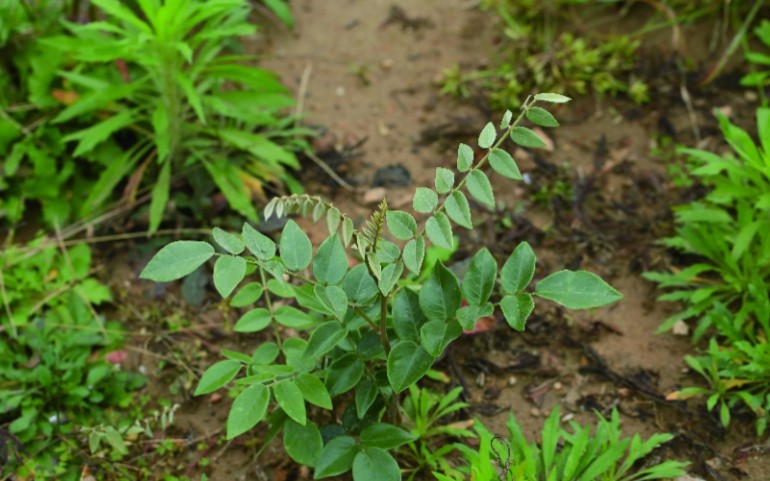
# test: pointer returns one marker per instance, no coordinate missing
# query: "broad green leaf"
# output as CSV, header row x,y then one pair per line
x,y
374,263
314,391
216,376
541,117
331,261
458,210
407,316
577,290
385,436
296,248
487,136
324,338
303,444
401,224
336,457
247,295
435,336
518,270
160,193
359,285
344,374
478,185
467,316
439,230
445,180
375,464
229,271
294,349
229,242
440,295
258,244
407,363
502,163
464,157
517,309
294,318
249,407
480,278
425,200
254,320
390,275
526,138
366,394
553,98
177,260
414,253
265,354
506,121
334,298
290,399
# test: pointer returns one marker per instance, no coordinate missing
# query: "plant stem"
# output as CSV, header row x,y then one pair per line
x,y
269,303
384,323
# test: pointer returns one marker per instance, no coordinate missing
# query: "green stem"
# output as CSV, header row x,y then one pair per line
x,y
529,102
269,303
384,323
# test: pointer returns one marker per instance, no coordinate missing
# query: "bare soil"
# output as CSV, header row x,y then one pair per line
x,y
367,77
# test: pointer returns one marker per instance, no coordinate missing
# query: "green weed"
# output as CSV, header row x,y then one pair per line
x,y
563,455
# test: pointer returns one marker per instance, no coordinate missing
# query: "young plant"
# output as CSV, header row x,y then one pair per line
x,y
367,334
167,96
726,289
424,413
760,76
563,455
728,229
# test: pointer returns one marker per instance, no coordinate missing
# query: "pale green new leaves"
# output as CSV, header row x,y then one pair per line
x,y
439,230
526,138
487,136
445,180
502,163
541,117
425,200
258,244
464,157
553,98
458,209
478,185
506,121
414,252
401,224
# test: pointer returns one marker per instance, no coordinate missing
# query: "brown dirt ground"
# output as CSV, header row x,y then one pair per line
x,y
373,85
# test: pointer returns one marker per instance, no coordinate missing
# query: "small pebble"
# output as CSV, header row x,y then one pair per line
x,y
535,412
557,386
567,417
512,381
624,392
387,64
481,379
340,91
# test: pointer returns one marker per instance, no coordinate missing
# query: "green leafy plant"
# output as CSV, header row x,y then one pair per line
x,y
369,337
425,414
537,58
166,95
728,229
725,288
563,455
56,380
